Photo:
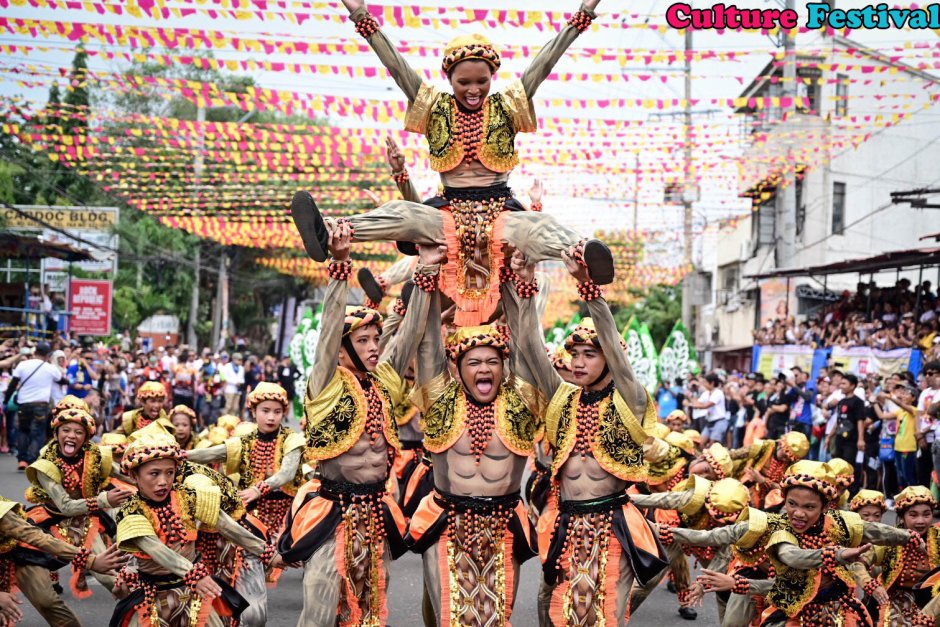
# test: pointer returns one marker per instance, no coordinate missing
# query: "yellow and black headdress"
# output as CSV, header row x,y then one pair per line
x,y
914,495
812,475
358,316
868,497
70,401
186,411
77,416
719,459
150,389
474,47
795,445
149,447
467,338
267,391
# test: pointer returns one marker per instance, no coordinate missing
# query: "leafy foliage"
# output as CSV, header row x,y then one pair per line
x,y
659,307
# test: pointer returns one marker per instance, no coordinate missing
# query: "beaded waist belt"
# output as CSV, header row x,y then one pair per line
x,y
494,192
459,503
593,506
335,490
411,445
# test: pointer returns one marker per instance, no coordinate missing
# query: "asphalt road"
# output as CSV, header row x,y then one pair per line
x,y
285,602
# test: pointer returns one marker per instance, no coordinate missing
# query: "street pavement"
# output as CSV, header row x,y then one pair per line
x,y
286,601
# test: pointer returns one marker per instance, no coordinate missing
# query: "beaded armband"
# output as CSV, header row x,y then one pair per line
x,y
198,572
665,535
263,489
399,307
829,559
506,274
589,290
401,177
339,270
425,282
92,505
580,20
526,289
741,585
536,206
80,561
270,550
368,26
871,586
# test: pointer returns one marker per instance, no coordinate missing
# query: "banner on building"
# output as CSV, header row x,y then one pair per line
x,y
863,360
773,360
92,229
90,305
677,358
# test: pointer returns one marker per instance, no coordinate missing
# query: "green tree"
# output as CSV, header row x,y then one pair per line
x,y
659,307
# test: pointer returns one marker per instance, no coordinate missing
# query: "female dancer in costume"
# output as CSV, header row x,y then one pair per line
x,y
471,138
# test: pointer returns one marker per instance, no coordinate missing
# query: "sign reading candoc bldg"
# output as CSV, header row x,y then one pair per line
x,y
91,229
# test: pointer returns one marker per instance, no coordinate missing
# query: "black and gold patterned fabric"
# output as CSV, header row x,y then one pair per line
x,y
96,471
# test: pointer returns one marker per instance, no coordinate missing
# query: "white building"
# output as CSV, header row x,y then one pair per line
x,y
869,126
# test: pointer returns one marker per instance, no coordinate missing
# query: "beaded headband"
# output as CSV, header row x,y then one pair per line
x,y
357,317
586,333
149,448
718,460
914,495
183,409
266,391
70,401
151,389
844,472
467,338
75,415
826,489
470,48
868,497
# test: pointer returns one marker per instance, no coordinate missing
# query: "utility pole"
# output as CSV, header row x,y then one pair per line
x,y
198,164
786,214
687,186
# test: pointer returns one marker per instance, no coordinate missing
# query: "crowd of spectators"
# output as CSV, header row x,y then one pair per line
x,y
888,427
107,377
880,318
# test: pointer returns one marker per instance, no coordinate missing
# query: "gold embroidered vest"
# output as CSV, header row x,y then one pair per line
x,y
96,471
239,452
793,588
7,506
433,114
618,443
336,419
445,420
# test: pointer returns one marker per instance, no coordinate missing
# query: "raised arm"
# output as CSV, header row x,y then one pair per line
x,y
431,362
543,63
396,160
406,78
402,351
526,332
331,320
66,505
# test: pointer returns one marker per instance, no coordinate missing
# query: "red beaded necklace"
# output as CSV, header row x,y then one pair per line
x,y
71,473
375,417
262,458
469,132
170,523
588,421
774,471
481,421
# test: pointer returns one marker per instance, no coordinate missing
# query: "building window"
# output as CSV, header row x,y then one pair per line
x,y
800,207
842,95
838,208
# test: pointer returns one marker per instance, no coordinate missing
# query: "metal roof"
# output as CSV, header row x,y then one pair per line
x,y
895,259
13,246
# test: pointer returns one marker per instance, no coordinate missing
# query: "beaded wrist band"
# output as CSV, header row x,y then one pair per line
x,y
536,206
92,505
871,586
665,535
829,559
526,289
506,274
741,585
399,307
80,561
368,25
401,177
270,550
369,303
263,489
127,578
581,20
425,282
339,270
589,290
195,575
